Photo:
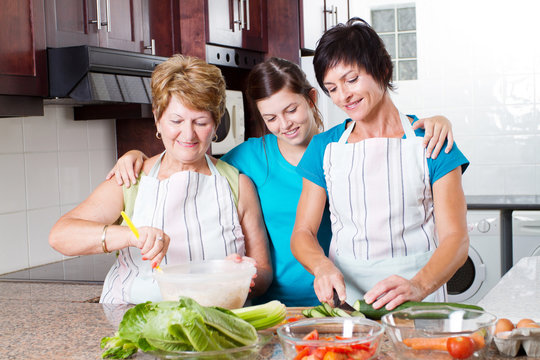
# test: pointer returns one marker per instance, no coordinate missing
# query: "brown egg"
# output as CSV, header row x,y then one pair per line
x,y
503,325
527,323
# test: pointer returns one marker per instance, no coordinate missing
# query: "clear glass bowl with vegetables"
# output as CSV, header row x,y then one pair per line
x,y
331,338
440,332
222,283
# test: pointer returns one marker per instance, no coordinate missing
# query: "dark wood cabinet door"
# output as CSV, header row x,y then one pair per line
x,y
69,22
124,29
116,24
237,23
23,67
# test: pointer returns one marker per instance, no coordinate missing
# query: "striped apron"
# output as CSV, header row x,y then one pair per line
x,y
198,213
390,177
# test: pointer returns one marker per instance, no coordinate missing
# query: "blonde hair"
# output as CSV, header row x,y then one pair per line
x,y
198,85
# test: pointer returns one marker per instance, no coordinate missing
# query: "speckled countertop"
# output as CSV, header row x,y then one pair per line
x,y
60,321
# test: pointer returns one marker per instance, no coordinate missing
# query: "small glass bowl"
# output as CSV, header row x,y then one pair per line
x,y
356,337
440,322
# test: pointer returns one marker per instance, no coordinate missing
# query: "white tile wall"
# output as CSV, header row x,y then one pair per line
x,y
479,64
49,164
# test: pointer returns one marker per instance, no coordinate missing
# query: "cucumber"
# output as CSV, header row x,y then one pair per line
x,y
327,308
337,312
357,314
376,314
314,313
306,312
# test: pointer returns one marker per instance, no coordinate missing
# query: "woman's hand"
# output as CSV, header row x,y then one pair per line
x,y
393,291
238,259
438,129
127,168
327,278
153,243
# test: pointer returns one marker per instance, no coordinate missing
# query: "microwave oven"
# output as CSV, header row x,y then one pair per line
x,y
231,129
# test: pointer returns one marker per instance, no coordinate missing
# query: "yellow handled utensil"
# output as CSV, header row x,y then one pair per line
x,y
130,224
133,230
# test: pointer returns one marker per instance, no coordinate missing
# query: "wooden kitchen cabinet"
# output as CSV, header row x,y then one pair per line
x,y
23,67
317,17
237,23
116,24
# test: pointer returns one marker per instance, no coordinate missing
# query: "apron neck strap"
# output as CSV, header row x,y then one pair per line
x,y
407,127
155,169
345,136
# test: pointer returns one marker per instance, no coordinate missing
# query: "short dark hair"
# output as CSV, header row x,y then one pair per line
x,y
270,77
353,43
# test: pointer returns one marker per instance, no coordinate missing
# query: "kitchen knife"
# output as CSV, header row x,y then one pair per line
x,y
342,306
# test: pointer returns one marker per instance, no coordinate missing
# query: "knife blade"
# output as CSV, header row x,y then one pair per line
x,y
341,305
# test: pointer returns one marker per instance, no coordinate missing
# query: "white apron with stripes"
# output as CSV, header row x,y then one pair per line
x,y
381,209
198,213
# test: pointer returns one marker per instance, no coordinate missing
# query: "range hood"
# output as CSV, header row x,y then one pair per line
x,y
94,75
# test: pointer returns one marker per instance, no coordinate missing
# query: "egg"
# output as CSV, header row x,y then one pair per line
x,y
527,323
503,325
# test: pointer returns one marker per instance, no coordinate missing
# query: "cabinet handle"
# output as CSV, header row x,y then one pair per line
x,y
152,47
98,16
108,12
240,20
248,22
332,11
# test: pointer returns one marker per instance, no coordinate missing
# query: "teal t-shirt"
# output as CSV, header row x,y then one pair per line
x,y
311,165
279,187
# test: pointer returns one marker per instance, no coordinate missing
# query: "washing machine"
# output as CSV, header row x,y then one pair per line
x,y
525,234
482,270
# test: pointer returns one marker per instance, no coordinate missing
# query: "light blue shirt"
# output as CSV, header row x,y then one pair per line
x,y
279,187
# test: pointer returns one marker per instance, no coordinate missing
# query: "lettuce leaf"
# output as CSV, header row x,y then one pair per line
x,y
177,326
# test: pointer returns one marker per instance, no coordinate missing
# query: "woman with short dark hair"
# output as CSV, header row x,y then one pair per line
x,y
384,194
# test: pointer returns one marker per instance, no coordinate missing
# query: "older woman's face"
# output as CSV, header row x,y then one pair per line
x,y
186,133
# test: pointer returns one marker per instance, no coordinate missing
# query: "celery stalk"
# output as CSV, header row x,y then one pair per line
x,y
263,316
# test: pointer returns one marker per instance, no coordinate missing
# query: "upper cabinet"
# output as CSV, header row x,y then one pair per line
x,y
237,23
319,16
23,67
117,24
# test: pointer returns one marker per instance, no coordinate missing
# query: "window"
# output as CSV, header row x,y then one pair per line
x,y
397,27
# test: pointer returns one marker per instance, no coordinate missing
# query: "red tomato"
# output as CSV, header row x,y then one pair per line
x,y
460,347
314,335
292,319
301,354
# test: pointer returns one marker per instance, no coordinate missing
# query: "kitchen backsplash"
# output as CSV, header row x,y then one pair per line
x,y
49,164
479,65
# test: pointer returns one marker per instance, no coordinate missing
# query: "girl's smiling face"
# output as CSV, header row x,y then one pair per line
x,y
186,133
353,90
288,116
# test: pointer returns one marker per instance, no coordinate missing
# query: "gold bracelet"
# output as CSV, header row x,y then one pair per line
x,y
103,244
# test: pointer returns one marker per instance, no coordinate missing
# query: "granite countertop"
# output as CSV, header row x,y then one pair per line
x,y
63,321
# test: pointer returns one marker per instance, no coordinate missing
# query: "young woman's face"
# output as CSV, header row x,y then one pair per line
x,y
353,90
186,133
289,116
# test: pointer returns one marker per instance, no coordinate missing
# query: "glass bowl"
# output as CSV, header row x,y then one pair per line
x,y
250,352
223,283
355,338
422,332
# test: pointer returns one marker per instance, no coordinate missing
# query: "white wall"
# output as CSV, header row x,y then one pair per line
x,y
479,65
48,164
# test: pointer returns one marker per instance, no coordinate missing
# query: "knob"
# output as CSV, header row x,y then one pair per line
x,y
483,226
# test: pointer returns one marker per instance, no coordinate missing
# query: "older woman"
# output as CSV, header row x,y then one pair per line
x,y
187,205
398,218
